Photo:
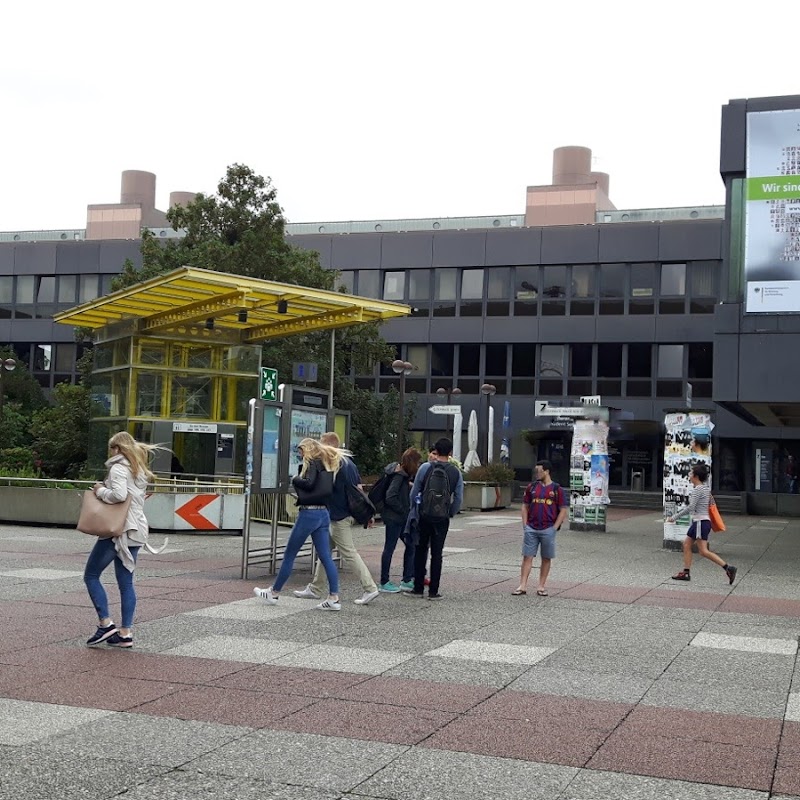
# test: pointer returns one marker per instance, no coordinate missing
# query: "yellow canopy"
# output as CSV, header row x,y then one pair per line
x,y
255,308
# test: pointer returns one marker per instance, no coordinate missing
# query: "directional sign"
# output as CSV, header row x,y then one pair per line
x,y
541,408
268,385
190,511
591,400
445,409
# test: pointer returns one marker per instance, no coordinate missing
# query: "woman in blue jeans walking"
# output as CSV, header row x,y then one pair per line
x,y
396,506
314,486
128,474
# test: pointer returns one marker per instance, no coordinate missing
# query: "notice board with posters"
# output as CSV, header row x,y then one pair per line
x,y
588,475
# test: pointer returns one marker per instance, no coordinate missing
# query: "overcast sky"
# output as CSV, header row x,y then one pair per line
x,y
366,110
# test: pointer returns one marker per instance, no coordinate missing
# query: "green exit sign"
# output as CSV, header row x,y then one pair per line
x,y
268,385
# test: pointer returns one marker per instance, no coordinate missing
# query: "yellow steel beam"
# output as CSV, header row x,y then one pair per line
x,y
199,310
316,322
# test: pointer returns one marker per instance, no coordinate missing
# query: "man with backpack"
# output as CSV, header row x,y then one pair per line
x,y
436,496
347,478
544,510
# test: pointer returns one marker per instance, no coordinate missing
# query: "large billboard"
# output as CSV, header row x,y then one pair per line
x,y
772,212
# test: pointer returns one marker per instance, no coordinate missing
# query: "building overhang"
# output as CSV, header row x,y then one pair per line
x,y
249,309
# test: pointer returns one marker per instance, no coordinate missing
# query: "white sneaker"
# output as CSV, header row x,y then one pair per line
x,y
366,597
266,595
329,605
307,594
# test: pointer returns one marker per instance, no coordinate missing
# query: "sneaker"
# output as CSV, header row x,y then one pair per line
x,y
436,596
115,640
307,594
731,573
366,597
412,593
683,575
266,595
101,634
329,605
389,587
406,586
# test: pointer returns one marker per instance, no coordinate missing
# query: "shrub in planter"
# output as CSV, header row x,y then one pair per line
x,y
490,473
13,459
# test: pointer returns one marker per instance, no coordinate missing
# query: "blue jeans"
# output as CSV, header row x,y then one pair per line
x,y
316,523
394,532
103,553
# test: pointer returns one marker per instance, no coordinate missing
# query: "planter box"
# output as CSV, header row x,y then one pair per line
x,y
486,496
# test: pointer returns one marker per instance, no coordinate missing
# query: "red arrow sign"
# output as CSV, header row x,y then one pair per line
x,y
191,511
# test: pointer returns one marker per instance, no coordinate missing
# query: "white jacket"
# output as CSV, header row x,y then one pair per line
x,y
117,485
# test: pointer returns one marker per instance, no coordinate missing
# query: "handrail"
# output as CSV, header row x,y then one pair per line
x,y
160,486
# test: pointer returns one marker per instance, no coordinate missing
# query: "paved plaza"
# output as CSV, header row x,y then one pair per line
x,y
621,684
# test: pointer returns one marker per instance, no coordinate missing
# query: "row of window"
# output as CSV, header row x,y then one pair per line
x,y
579,289
582,360
26,296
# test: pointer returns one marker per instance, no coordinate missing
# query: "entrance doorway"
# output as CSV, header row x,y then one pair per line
x,y
195,452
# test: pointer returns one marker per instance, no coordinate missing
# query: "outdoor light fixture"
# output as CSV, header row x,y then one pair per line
x,y
9,365
283,306
210,324
243,315
401,368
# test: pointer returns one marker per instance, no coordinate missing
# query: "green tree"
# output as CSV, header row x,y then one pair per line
x,y
61,432
241,230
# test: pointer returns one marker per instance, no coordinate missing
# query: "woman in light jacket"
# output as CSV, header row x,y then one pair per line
x,y
314,486
128,474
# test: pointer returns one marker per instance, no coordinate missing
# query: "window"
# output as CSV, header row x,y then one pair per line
x,y
497,291
394,286
444,292
609,360
418,356
612,288
65,357
25,289
551,360
368,282
442,359
554,291
701,360
643,281
471,292
42,357
640,358
6,296
67,287
580,360
523,361
583,290
526,291
469,359
670,361
703,297
496,359
345,280
419,284
87,288
46,290
673,280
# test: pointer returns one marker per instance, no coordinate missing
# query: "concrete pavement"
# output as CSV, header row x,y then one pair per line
x,y
620,684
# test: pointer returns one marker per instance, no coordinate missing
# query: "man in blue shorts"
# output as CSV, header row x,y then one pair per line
x,y
544,509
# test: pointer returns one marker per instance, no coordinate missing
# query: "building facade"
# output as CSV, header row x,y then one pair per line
x,y
641,307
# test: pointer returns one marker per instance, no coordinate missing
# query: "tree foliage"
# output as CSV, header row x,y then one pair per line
x,y
241,230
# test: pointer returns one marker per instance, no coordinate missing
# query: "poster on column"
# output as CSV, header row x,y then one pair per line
x,y
588,474
687,441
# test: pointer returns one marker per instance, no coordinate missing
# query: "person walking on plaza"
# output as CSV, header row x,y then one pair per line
x,y
396,505
128,474
314,486
544,510
342,530
436,497
700,529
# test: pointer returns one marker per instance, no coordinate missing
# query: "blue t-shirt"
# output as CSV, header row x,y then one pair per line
x,y
337,505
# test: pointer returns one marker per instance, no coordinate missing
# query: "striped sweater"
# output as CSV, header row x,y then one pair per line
x,y
699,500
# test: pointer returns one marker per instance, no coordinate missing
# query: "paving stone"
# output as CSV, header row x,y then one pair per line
x,y
23,722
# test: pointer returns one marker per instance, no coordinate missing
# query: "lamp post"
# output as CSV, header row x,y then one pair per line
x,y
489,390
401,368
453,392
9,365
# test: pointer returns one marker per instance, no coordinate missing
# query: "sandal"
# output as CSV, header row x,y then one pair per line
x,y
518,592
542,593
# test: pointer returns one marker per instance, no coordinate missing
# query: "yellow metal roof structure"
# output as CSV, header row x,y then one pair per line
x,y
253,308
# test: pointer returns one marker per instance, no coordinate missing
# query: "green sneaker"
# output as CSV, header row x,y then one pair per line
x,y
388,587
406,586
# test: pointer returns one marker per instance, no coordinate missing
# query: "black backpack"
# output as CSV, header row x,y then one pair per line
x,y
377,494
359,505
436,494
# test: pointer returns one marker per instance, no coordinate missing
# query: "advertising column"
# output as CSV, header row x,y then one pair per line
x,y
772,212
687,441
588,475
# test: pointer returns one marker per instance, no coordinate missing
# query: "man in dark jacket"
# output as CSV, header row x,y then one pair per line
x,y
433,531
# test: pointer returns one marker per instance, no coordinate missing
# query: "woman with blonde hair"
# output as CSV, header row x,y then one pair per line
x,y
314,486
128,475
